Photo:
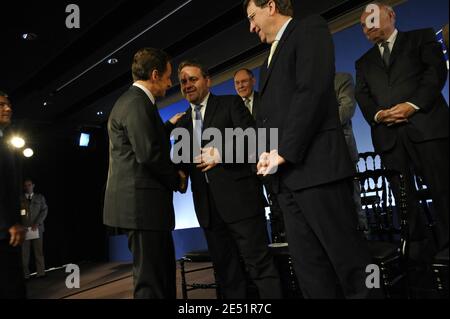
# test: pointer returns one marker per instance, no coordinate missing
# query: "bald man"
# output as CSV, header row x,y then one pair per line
x,y
399,90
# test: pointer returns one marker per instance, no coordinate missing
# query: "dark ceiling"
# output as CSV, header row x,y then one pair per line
x,y
67,69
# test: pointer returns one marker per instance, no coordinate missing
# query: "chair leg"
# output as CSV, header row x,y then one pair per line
x,y
218,293
183,280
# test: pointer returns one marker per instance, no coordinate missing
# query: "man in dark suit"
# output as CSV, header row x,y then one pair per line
x,y
12,233
398,88
228,197
312,166
244,84
142,178
344,87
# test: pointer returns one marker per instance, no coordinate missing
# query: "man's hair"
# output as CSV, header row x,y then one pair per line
x,y
28,179
284,6
147,60
3,94
249,72
381,5
194,63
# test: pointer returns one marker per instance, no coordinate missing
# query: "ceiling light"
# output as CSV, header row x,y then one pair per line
x,y
28,152
29,36
17,142
113,61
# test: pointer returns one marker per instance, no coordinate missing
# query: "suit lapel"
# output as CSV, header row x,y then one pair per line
x,y
210,111
255,104
186,121
375,57
291,26
398,47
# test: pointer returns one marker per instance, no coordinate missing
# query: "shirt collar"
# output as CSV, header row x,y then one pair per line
x,y
283,28
203,104
391,39
251,97
149,94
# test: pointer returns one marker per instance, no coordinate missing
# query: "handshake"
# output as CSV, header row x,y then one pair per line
x,y
182,188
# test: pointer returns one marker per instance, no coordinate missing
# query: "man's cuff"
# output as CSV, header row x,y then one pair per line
x,y
414,106
376,117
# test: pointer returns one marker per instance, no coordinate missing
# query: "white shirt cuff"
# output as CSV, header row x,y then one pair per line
x,y
414,106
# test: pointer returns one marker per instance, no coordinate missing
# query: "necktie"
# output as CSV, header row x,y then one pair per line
x,y
248,104
272,51
198,129
198,124
386,54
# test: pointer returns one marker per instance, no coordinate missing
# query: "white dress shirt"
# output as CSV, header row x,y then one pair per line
x,y
391,43
277,40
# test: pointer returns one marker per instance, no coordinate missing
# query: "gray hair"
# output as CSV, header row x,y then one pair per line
x,y
381,5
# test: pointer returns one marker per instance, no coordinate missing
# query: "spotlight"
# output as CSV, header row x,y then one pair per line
x,y
29,36
17,142
28,152
112,61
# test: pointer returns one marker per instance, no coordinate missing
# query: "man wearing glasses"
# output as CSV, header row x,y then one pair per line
x,y
311,169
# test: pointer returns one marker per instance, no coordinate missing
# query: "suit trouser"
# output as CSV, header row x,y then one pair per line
x,y
154,268
324,243
430,161
228,242
12,285
38,251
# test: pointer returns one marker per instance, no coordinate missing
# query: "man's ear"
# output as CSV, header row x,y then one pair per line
x,y
154,75
208,82
272,8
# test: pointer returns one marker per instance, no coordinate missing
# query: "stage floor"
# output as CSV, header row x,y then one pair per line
x,y
108,281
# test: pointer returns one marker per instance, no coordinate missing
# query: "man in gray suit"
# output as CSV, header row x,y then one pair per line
x,y
345,93
34,211
142,178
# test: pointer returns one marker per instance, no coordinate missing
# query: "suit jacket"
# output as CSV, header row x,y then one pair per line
x,y
141,177
345,93
36,211
298,98
9,191
256,104
236,191
417,74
